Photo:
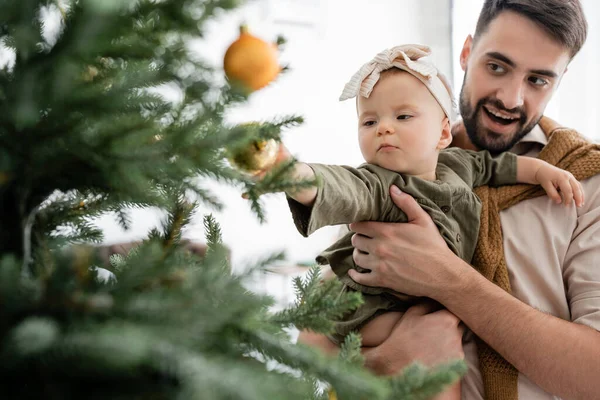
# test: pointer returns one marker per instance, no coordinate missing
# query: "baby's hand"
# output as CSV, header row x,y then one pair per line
x,y
560,185
283,155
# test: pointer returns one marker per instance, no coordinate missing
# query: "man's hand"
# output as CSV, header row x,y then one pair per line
x,y
405,257
422,334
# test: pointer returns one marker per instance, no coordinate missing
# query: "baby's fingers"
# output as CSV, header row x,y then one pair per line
x,y
577,192
551,191
566,190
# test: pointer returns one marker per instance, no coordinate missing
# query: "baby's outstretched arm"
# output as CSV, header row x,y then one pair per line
x,y
304,196
552,179
342,194
300,172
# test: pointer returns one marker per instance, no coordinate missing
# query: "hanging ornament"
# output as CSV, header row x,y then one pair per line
x,y
258,156
251,62
90,73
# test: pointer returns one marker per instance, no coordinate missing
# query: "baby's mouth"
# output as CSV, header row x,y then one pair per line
x,y
386,146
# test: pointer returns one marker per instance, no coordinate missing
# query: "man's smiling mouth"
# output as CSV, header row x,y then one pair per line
x,y
500,117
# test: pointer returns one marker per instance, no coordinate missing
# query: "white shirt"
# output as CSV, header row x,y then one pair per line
x,y
553,257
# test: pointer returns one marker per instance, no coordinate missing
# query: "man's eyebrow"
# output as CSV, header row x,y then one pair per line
x,y
499,56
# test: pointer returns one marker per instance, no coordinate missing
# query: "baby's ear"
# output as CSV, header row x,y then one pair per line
x,y
446,135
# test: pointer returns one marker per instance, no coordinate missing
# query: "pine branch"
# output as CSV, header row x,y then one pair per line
x,y
350,350
216,251
179,216
213,231
420,383
354,382
265,265
272,129
319,304
274,181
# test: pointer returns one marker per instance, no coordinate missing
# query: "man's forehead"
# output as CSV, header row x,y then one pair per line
x,y
523,43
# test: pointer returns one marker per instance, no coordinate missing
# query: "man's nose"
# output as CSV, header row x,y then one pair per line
x,y
511,94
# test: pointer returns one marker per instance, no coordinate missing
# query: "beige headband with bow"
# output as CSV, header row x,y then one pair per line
x,y
407,58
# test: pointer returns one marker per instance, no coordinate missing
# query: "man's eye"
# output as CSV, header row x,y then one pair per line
x,y
495,68
402,117
538,81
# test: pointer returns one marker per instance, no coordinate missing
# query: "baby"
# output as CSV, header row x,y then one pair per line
x,y
404,130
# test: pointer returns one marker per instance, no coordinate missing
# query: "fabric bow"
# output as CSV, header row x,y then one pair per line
x,y
408,58
365,79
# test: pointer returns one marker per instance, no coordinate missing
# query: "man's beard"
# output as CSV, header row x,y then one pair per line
x,y
484,138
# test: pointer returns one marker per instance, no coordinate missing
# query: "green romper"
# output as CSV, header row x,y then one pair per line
x,y
347,195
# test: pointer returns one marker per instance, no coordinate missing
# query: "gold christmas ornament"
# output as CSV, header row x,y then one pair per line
x,y
251,62
90,73
256,157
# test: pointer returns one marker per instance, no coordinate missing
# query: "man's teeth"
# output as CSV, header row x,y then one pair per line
x,y
496,114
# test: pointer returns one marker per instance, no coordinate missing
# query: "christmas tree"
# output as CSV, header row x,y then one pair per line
x,y
81,135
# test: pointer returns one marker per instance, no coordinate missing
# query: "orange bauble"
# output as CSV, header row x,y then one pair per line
x,y
251,61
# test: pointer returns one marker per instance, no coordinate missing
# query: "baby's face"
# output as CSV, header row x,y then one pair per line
x,y
400,125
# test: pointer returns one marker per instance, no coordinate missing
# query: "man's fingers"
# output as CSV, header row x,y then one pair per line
x,y
409,205
365,228
425,307
360,258
364,260
462,328
365,278
451,318
361,242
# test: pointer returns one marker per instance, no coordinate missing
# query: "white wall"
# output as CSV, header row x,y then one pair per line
x,y
576,101
327,41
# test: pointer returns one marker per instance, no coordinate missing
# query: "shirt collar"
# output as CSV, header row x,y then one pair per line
x,y
531,143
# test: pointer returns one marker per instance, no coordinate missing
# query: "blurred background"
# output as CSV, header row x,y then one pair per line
x,y
327,41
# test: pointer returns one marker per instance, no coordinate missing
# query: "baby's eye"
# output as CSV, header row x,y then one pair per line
x,y
403,117
368,123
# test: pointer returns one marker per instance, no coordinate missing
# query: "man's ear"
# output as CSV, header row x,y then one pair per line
x,y
466,52
446,136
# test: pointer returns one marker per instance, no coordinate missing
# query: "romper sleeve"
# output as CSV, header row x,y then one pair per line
x,y
344,195
479,168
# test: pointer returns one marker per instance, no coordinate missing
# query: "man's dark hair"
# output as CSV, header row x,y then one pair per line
x,y
563,20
